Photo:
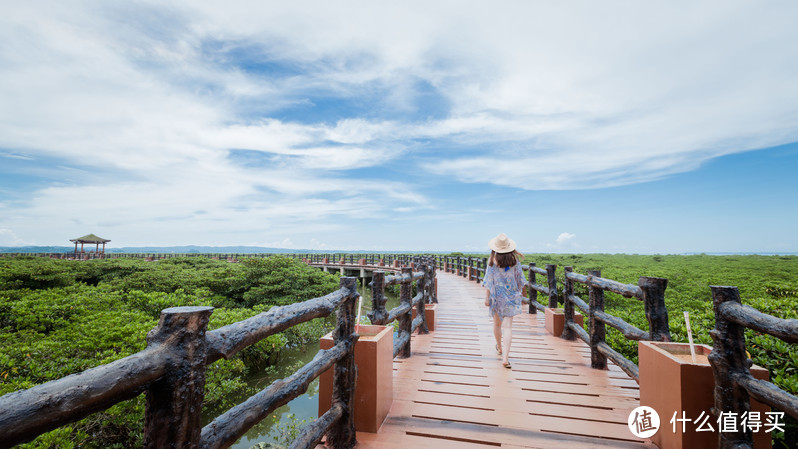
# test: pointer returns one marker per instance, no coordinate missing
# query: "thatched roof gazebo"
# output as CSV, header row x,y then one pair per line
x,y
90,238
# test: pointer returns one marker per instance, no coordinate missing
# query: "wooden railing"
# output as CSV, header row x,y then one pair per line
x,y
471,268
171,371
734,384
348,258
550,289
425,288
354,258
650,290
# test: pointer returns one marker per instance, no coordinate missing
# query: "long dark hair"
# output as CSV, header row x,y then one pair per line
x,y
504,259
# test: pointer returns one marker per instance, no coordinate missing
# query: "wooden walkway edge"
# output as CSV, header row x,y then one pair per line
x,y
454,392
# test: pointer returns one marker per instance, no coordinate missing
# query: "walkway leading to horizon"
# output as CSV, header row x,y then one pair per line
x,y
454,392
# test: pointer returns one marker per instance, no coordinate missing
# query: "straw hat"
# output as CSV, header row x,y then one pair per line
x,y
502,244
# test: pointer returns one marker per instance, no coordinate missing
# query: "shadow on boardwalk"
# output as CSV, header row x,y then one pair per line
x,y
454,392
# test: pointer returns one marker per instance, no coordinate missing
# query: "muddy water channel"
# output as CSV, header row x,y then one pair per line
x,y
273,429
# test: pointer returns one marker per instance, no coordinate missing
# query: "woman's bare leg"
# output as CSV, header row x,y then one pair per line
x,y
507,330
497,329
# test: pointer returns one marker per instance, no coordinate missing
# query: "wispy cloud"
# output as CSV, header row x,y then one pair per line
x,y
8,238
564,237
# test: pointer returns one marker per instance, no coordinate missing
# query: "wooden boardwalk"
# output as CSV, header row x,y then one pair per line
x,y
454,392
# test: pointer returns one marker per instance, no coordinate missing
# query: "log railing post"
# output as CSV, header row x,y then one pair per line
x,y
568,306
551,278
342,434
405,320
656,312
471,270
378,313
434,286
531,292
421,308
729,362
174,403
598,330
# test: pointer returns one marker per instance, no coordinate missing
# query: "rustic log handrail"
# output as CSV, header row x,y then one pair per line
x,y
751,318
402,346
396,312
172,372
625,290
650,290
76,396
623,363
404,278
317,429
734,384
533,288
579,302
229,340
471,268
629,331
228,427
425,287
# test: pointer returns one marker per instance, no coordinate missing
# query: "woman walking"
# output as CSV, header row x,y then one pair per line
x,y
504,281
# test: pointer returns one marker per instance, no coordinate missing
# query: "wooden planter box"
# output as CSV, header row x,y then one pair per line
x,y
430,315
374,388
555,320
670,382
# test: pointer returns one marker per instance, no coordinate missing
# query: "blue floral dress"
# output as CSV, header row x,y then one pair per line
x,y
505,285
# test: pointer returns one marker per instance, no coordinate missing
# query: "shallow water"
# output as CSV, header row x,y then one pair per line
x,y
304,407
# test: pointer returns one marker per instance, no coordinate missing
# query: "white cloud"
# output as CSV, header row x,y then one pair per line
x,y
565,241
315,244
284,243
152,98
8,238
564,237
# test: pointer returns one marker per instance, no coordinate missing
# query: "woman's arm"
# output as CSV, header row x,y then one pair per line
x,y
487,282
519,276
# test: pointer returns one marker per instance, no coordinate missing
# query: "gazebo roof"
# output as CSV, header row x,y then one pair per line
x,y
89,238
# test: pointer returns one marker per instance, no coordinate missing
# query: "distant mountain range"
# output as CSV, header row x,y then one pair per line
x,y
190,249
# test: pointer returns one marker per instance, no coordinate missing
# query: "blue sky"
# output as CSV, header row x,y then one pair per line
x,y
578,127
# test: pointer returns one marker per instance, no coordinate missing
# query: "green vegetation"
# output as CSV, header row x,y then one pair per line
x,y
60,317
767,283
